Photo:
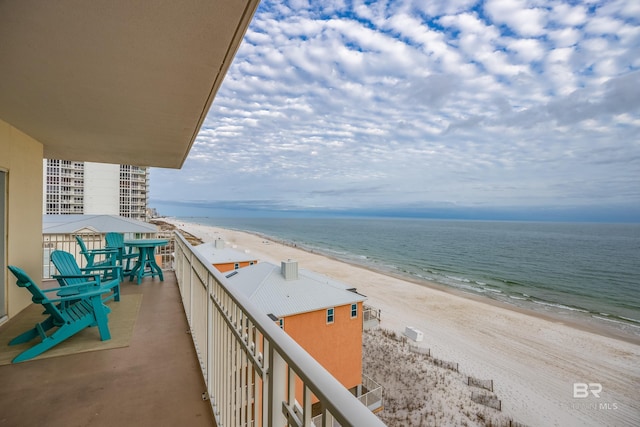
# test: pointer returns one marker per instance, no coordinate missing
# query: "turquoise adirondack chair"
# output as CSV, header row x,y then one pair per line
x,y
126,257
67,314
97,257
70,274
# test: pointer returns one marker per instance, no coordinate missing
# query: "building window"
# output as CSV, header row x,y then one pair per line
x,y
236,266
330,316
281,323
354,311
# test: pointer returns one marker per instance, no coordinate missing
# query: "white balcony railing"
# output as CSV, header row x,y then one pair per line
x,y
249,364
372,394
67,242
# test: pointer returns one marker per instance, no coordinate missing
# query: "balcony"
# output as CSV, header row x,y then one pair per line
x,y
223,350
371,317
156,380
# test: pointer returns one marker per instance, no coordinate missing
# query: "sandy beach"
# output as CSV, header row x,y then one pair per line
x,y
534,361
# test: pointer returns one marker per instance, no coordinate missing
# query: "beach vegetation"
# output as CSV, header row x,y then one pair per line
x,y
420,390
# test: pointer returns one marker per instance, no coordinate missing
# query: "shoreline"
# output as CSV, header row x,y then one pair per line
x,y
533,359
584,324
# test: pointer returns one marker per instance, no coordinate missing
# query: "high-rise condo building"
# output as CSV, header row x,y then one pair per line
x,y
95,189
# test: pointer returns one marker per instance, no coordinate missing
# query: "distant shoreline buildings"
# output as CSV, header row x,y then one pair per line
x,y
89,188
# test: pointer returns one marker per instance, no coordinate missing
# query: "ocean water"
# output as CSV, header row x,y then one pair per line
x,y
583,271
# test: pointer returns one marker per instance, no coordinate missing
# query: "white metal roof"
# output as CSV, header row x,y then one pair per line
x,y
222,255
266,287
69,224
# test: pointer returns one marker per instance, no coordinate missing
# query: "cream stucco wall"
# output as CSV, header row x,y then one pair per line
x,y
21,157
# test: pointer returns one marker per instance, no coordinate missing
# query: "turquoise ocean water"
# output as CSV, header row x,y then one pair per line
x,y
583,271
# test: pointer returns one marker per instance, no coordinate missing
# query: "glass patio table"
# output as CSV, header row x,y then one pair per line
x,y
146,263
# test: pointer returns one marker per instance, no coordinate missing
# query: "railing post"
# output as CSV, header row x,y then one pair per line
x,y
191,285
209,334
277,377
306,397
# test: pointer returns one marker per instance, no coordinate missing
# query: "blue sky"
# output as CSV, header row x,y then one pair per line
x,y
518,109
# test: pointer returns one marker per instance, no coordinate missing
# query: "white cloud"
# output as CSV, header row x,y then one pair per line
x,y
603,25
470,23
523,20
528,50
565,37
439,8
345,104
569,15
623,8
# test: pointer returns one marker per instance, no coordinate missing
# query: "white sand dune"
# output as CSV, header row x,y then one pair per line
x,y
533,361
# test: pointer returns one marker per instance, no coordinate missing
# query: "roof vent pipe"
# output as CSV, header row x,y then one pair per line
x,y
289,269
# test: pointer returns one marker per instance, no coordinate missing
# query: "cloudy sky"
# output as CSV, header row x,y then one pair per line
x,y
461,108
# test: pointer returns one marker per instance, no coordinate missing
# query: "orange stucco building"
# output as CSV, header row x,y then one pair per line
x,y
224,258
324,316
337,345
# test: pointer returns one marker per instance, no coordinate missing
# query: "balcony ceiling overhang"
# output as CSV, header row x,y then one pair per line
x,y
116,81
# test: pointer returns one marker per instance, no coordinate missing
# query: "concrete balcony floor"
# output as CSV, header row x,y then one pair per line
x,y
155,381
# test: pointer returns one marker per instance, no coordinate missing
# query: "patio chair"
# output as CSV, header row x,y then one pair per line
x,y
68,314
127,258
70,275
93,256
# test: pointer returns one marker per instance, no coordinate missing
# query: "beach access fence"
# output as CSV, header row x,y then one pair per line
x,y
255,374
486,400
420,350
68,243
394,336
453,366
475,382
